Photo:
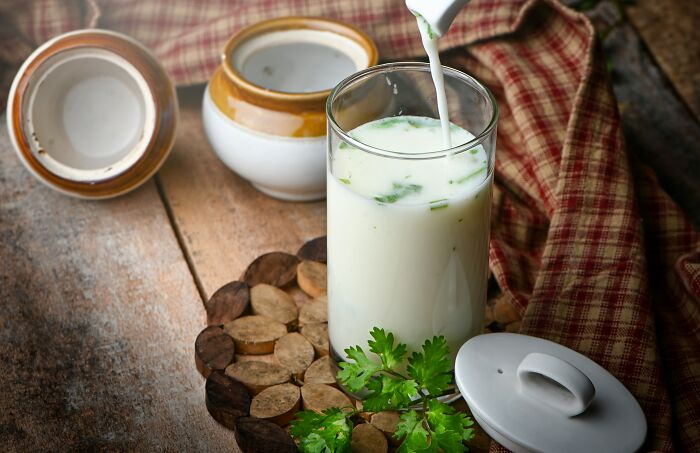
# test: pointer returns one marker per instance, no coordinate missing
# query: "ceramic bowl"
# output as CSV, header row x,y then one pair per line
x,y
92,114
264,107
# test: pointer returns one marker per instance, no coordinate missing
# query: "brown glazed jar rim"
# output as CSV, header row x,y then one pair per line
x,y
291,23
159,85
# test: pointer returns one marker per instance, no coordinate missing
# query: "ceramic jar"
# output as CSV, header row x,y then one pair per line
x,y
264,108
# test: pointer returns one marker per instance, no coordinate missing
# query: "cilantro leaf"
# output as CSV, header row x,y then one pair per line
x,y
383,345
355,376
432,368
328,431
448,427
389,393
410,428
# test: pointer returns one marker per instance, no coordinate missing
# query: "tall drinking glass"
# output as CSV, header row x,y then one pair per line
x,y
408,221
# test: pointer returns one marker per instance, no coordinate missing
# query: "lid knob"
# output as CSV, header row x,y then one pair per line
x,y
555,383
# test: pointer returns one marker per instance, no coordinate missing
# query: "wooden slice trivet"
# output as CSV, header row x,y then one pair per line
x,y
295,353
312,277
267,300
254,435
227,303
255,334
276,268
314,250
386,422
368,439
322,371
287,336
257,376
213,350
317,334
319,397
277,404
314,311
226,398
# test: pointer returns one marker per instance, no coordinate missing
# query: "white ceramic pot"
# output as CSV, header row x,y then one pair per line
x,y
264,108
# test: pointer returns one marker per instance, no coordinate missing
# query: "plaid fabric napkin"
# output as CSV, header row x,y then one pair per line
x,y
585,244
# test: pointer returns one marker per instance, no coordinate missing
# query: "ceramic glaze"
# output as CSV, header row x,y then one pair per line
x,y
386,212
92,114
264,108
298,67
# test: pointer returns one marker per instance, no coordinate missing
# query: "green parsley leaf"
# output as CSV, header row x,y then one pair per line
x,y
328,431
449,426
383,345
389,393
432,368
410,428
355,376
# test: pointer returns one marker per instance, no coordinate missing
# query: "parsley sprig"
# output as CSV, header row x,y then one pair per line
x,y
435,427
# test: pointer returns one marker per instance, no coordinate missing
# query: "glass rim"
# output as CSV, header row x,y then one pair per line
x,y
423,67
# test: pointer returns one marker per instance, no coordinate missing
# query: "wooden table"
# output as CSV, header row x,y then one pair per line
x,y
102,301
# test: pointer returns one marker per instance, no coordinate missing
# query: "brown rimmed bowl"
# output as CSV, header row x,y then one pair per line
x,y
92,114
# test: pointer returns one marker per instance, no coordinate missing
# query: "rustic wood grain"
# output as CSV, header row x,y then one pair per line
x,y
659,130
99,317
224,223
671,30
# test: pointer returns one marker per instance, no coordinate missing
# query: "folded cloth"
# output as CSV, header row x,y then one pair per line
x,y
585,243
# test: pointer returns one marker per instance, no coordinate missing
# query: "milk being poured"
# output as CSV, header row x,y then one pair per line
x,y
408,238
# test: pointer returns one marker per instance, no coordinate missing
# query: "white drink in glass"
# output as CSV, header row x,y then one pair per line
x,y
409,245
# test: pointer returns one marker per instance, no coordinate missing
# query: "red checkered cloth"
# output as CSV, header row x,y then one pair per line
x,y
584,242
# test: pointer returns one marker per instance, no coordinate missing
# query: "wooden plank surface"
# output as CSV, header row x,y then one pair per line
x,y
659,130
223,222
671,30
99,316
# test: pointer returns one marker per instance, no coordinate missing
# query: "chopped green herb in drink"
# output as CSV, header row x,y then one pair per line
x,y
400,191
438,204
466,178
473,151
345,181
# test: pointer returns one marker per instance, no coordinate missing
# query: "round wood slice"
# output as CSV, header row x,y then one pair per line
x,y
213,350
299,296
322,371
254,435
317,334
295,353
314,311
312,277
267,300
226,398
276,268
278,404
319,397
257,376
368,439
227,303
269,358
255,334
386,422
314,250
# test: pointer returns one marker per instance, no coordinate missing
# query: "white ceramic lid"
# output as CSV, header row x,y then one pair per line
x,y
533,395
